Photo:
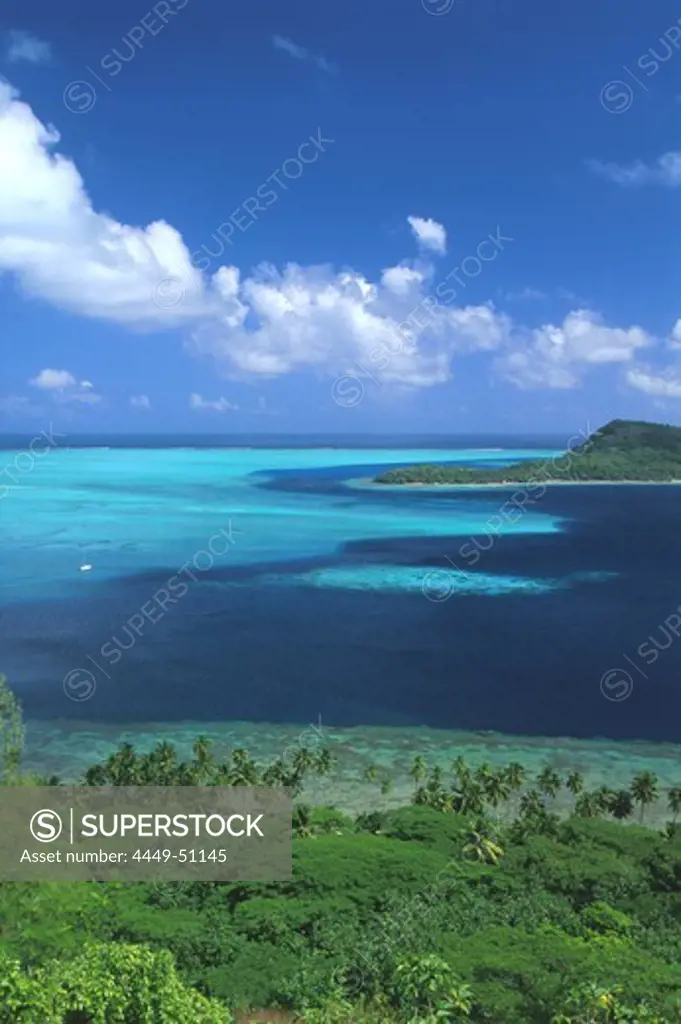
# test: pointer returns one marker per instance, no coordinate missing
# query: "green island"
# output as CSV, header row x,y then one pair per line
x,y
475,902
622,450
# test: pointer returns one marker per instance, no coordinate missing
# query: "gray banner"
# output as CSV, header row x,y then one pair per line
x,y
144,833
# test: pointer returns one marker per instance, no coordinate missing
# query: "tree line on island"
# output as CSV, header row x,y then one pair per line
x,y
621,450
476,902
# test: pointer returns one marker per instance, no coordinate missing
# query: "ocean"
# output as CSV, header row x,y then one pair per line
x,y
169,586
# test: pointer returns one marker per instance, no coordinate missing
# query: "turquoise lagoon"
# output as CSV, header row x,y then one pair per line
x,y
335,602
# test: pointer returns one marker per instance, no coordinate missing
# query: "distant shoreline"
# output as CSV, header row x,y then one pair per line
x,y
505,484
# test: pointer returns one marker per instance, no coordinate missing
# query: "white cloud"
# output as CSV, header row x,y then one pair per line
x,y
402,279
53,380
65,388
665,171
527,371
140,402
666,384
217,405
315,318
301,53
429,234
674,340
63,251
24,46
288,46
268,322
554,355
77,397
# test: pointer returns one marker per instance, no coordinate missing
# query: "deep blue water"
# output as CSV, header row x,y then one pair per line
x,y
318,607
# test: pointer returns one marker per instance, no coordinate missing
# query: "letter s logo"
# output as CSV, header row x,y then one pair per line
x,y
46,826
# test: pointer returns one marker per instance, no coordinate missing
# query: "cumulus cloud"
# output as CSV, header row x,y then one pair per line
x,y
665,171
269,323
666,384
62,250
24,46
404,328
429,234
217,405
315,318
554,355
140,402
64,387
53,380
402,279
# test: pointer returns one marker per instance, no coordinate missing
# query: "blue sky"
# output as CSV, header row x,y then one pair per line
x,y
402,215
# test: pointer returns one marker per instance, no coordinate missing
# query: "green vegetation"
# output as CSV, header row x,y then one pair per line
x,y
621,450
475,903
107,982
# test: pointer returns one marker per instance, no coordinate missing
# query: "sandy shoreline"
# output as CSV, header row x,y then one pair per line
x,y
507,484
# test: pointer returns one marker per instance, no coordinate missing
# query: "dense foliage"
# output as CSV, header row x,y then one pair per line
x,y
621,450
108,983
477,903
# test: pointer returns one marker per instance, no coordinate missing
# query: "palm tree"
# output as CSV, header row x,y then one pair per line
x,y
605,795
482,847
497,790
674,802
324,762
203,759
244,771
621,804
483,772
275,774
435,794
303,760
460,769
644,790
531,804
122,768
469,797
515,775
162,762
587,805
549,782
418,770
575,783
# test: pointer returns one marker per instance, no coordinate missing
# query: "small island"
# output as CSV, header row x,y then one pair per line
x,y
623,451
